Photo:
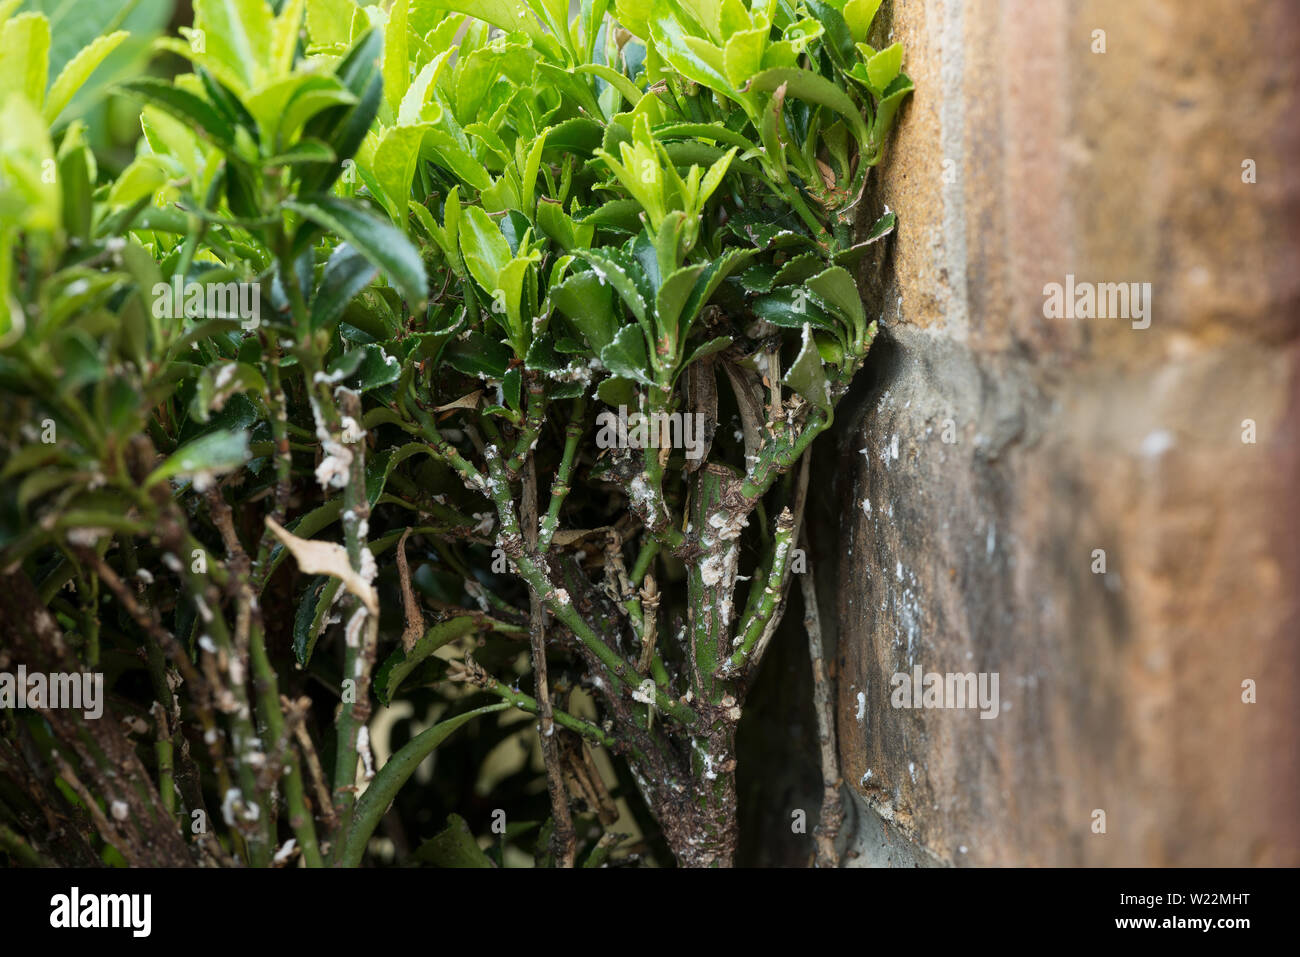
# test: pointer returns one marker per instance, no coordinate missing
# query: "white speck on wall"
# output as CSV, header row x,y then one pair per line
x,y
120,810
893,446
991,540
866,506
1157,443
861,716
898,570
911,770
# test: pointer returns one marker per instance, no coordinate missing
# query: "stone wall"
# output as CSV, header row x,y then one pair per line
x,y
988,452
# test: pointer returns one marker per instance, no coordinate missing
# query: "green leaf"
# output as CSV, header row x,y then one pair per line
x,y
882,228
329,22
838,289
478,355
186,107
77,71
313,610
412,108
578,136
626,356
383,788
346,274
718,270
380,467
443,148
27,199
813,88
394,167
215,452
25,56
694,57
626,88
622,281
553,223
237,33
377,368
672,298
282,108
531,167
396,66
509,15
76,179
615,391
453,847
890,102
401,663
743,54
143,178
839,39
486,250
543,357
342,128
858,14
884,66
589,304
806,375
383,245
219,382
284,37
302,153
709,348
790,307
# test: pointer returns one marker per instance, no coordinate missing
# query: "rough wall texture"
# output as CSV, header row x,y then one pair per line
x,y
997,448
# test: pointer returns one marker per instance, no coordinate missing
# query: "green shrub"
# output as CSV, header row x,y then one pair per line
x,y
311,407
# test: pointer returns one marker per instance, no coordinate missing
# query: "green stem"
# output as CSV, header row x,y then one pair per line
x,y
558,601
771,595
560,487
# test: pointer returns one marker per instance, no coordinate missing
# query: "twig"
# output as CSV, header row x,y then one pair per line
x,y
250,643
557,601
309,755
800,501
410,605
564,841
560,487
832,815
20,850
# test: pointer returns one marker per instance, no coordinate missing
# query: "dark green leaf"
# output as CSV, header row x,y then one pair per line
x,y
377,240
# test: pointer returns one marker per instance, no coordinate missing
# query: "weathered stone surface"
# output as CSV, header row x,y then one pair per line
x,y
1121,691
